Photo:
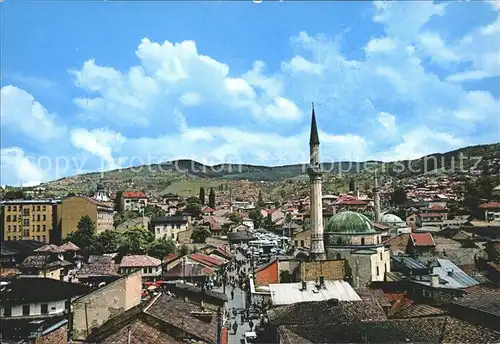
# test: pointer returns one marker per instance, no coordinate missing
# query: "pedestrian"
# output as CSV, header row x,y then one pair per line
x,y
235,327
250,323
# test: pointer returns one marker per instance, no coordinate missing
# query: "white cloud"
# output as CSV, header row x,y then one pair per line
x,y
21,113
299,64
16,168
190,99
376,45
387,120
435,47
282,109
99,142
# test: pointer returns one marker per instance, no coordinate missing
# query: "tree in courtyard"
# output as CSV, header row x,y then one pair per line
x,y
235,217
108,241
161,248
84,236
136,241
183,250
260,200
285,276
202,195
200,235
211,198
193,208
257,217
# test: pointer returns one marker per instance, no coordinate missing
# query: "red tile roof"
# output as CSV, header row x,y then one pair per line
x,y
430,215
207,209
422,239
139,261
352,202
170,257
206,260
490,205
437,207
134,194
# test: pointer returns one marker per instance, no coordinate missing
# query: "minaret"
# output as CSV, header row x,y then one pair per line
x,y
316,207
376,199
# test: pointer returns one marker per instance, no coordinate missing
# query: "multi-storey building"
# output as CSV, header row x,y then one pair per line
x,y
31,220
134,200
75,207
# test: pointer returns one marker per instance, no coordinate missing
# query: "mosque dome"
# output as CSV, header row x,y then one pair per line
x,y
496,190
390,219
349,222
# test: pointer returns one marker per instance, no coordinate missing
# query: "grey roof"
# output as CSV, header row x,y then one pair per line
x,y
484,300
409,262
289,293
169,219
452,275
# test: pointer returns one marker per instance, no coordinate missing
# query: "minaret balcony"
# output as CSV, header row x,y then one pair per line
x,y
314,171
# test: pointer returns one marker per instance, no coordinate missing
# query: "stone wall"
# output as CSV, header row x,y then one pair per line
x,y
330,269
94,309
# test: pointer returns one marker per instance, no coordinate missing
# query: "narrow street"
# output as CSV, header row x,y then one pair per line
x,y
239,304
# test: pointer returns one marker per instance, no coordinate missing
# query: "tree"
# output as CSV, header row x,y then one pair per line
x,y
285,276
352,185
136,241
193,200
202,195
161,248
199,235
84,236
211,198
13,194
108,241
257,217
183,250
193,208
398,197
118,201
260,200
235,218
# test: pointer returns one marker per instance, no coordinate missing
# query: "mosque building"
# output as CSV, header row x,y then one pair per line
x,y
347,235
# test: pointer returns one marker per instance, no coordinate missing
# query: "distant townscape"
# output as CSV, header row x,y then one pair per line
x,y
372,252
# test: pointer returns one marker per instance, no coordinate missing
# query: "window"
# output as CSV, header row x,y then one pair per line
x,y
302,243
37,238
338,256
426,293
43,238
8,218
38,217
43,208
296,243
8,238
14,218
8,229
26,222
7,312
14,228
363,242
38,228
381,256
44,227
178,226
8,208
38,208
44,217
378,271
339,241
44,308
14,208
26,212
26,309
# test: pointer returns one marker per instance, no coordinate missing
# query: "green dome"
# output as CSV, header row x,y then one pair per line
x,y
349,222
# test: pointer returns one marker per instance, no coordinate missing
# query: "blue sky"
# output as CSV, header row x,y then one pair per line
x,y
90,86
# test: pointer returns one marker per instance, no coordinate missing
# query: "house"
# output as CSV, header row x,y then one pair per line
x,y
165,320
302,238
433,219
97,270
168,227
267,274
25,302
246,221
420,243
491,211
14,252
31,220
75,207
150,267
134,200
46,261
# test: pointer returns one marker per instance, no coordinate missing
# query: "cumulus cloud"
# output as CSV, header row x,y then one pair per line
x,y
377,45
20,112
17,168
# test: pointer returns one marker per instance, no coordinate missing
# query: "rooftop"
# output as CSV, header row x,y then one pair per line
x,y
134,194
289,293
10,248
139,261
422,239
349,222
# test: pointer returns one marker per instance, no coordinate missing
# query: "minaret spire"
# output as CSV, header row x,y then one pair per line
x,y
314,139
376,199
316,213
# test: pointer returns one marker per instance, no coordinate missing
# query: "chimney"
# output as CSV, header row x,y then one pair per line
x,y
322,281
304,285
434,281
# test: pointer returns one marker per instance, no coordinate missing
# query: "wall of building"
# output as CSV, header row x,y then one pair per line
x,y
105,220
170,231
53,307
96,308
370,239
72,210
153,271
302,239
269,274
330,269
29,221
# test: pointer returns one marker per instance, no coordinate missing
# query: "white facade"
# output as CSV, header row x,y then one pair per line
x,y
248,223
42,309
168,230
149,271
135,203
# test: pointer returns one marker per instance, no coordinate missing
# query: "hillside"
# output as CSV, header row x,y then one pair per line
x,y
185,177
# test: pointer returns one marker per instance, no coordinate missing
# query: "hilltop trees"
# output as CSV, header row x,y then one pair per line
x,y
352,185
202,195
211,198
